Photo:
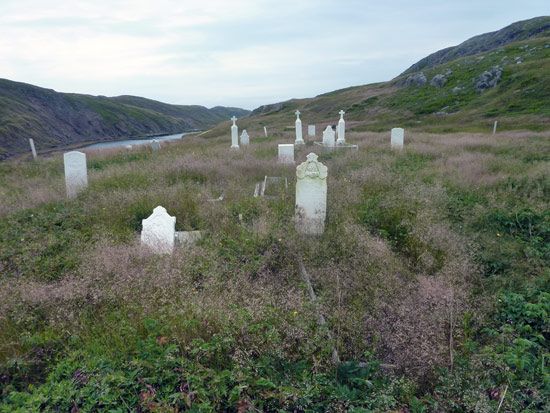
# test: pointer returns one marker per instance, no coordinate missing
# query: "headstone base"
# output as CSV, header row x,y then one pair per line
x,y
337,147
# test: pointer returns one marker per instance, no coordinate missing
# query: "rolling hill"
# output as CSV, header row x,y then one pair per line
x,y
53,119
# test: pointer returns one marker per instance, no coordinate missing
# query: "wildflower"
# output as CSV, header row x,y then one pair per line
x,y
498,234
280,239
220,244
295,313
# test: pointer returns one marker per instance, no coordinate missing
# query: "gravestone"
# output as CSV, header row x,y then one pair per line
x,y
76,174
234,134
33,149
494,127
311,130
341,128
155,145
286,153
245,139
397,138
265,131
311,196
328,136
159,231
299,139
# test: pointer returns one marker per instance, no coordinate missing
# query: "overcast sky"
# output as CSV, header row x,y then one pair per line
x,y
243,53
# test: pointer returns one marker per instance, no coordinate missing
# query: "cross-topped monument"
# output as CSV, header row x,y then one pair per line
x,y
234,134
234,119
341,128
341,113
297,113
299,140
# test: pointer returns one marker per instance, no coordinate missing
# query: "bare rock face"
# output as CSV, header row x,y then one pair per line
x,y
418,79
438,81
488,79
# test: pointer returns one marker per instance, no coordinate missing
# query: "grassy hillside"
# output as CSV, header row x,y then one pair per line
x,y
520,99
56,119
432,273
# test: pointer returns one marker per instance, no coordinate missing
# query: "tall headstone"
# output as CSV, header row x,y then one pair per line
x,y
286,153
328,136
76,174
311,130
341,128
234,134
159,231
155,144
265,131
494,127
397,138
33,149
311,196
299,138
245,139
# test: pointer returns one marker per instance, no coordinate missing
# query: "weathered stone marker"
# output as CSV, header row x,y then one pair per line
x,y
76,174
495,127
286,153
33,149
311,130
155,145
245,139
265,131
397,138
299,138
328,136
341,128
159,231
234,134
311,196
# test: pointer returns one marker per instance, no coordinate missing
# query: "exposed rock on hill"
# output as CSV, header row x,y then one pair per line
x,y
522,30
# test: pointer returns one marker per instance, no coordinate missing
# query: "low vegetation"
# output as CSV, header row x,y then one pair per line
x,y
432,276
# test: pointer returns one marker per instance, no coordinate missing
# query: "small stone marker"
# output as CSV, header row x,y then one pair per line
x,y
188,237
155,145
397,138
33,149
299,138
328,136
286,153
159,231
76,174
341,128
311,196
494,127
234,134
245,139
311,130
265,131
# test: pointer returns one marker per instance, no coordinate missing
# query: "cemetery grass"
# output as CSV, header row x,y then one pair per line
x,y
432,273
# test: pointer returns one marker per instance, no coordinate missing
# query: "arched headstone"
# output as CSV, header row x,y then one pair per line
x,y
311,196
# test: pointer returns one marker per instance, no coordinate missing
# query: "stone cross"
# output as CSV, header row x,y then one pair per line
x,y
286,153
76,174
33,149
311,196
299,139
397,138
245,139
328,136
159,231
234,134
341,128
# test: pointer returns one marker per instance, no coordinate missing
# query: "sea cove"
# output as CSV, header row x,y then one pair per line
x,y
126,142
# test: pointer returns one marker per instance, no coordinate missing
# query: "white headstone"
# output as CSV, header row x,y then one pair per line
x,y
299,138
310,130
245,139
341,128
494,127
76,174
33,149
234,134
328,136
155,144
265,131
311,196
397,138
159,231
286,153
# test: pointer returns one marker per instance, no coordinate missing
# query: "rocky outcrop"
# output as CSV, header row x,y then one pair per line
x,y
438,81
418,79
488,79
522,30
274,107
